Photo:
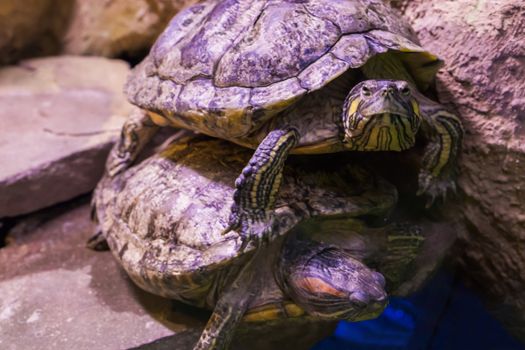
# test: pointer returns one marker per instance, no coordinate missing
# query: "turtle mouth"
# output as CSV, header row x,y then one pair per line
x,y
365,312
385,119
337,308
384,131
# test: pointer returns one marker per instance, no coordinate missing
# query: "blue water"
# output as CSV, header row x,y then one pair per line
x,y
443,316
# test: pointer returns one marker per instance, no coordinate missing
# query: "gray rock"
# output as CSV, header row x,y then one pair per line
x,y
114,28
57,294
24,23
484,81
58,117
92,29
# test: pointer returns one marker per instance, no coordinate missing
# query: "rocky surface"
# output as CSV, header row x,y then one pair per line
x,y
58,118
484,81
117,27
23,24
110,28
57,294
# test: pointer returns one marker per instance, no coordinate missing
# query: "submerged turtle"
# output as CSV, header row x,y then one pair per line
x,y
164,221
289,77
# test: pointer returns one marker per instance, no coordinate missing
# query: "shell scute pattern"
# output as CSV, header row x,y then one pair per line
x,y
295,36
186,22
322,71
347,16
195,49
352,49
218,72
180,219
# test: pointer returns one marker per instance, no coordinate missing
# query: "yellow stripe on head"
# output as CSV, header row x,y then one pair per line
x,y
354,105
415,107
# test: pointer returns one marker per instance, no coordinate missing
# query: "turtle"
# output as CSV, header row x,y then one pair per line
x,y
291,77
164,221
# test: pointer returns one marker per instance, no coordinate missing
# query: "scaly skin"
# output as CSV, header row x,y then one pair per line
x,y
257,188
163,220
270,58
136,132
442,129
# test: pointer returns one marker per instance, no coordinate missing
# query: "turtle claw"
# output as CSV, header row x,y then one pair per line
x,y
434,187
258,236
97,242
252,229
118,163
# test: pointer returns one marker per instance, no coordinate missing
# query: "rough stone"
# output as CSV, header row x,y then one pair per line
x,y
117,27
23,24
57,294
484,81
111,28
58,118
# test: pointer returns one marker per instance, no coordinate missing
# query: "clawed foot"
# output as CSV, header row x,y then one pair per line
x,y
434,187
254,228
136,132
118,162
257,186
97,242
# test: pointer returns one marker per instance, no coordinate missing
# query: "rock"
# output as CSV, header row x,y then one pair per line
x,y
111,28
59,117
117,27
56,293
23,23
484,81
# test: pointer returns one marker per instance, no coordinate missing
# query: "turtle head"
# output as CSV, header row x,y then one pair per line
x,y
331,284
381,115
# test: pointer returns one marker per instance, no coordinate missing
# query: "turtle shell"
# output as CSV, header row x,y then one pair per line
x,y
224,67
164,218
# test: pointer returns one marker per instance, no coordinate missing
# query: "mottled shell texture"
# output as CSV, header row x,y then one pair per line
x,y
166,215
225,67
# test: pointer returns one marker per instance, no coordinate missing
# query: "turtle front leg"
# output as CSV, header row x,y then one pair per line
x,y
219,330
403,246
136,132
445,134
237,293
257,186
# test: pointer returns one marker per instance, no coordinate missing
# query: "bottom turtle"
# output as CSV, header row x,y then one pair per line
x,y
166,222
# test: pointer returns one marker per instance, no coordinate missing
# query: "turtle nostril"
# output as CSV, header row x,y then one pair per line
x,y
388,91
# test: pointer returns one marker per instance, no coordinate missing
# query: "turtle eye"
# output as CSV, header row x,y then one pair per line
x,y
366,91
405,91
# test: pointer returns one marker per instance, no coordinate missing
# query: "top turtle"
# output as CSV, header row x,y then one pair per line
x,y
290,77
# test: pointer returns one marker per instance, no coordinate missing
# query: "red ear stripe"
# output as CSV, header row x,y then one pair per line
x,y
317,285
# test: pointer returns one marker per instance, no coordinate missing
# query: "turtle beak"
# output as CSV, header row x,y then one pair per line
x,y
381,115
